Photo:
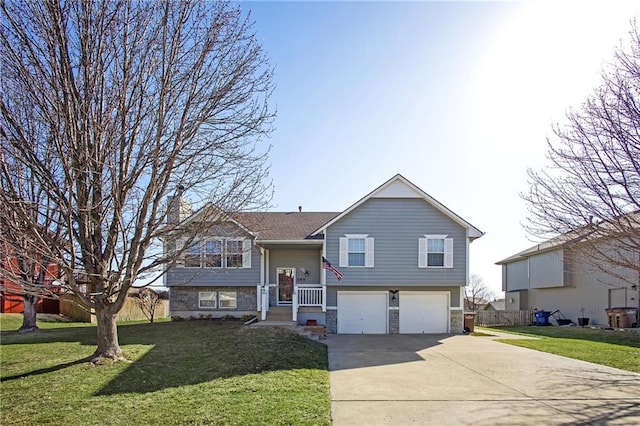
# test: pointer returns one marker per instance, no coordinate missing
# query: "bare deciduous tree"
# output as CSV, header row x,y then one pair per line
x,y
476,293
589,194
148,301
24,204
134,100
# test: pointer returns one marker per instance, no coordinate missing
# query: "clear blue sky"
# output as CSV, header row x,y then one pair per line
x,y
458,97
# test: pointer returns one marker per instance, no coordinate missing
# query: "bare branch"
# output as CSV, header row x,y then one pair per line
x,y
110,107
590,190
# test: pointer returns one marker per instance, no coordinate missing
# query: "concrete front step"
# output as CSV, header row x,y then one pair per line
x,y
275,323
280,313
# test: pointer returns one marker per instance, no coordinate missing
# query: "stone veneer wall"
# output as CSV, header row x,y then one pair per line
x,y
394,321
332,321
183,302
456,323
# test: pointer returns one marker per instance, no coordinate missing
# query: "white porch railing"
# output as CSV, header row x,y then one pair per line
x,y
309,295
303,295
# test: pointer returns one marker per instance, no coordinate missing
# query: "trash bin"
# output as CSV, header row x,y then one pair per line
x,y
611,316
469,322
632,314
542,317
626,317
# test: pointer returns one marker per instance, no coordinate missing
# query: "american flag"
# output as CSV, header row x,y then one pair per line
x,y
328,266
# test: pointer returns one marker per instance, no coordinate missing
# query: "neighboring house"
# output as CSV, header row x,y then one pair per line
x,y
403,255
496,305
554,275
474,304
12,293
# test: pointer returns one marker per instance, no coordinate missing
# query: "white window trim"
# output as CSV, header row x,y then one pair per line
x,y
227,254
185,252
215,301
423,251
245,252
203,252
235,300
369,252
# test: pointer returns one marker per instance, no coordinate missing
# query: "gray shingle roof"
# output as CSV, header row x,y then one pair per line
x,y
283,226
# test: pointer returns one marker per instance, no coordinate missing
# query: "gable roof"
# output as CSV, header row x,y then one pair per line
x,y
283,226
400,187
215,212
630,221
543,247
498,305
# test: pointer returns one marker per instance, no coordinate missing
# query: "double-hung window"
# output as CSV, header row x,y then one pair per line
x,y
435,251
227,299
218,253
212,255
192,255
234,254
217,299
207,299
356,250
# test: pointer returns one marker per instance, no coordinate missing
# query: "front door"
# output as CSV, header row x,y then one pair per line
x,y
286,278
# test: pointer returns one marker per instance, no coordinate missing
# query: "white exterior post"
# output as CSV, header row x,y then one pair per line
x,y
323,281
324,298
265,301
259,297
294,303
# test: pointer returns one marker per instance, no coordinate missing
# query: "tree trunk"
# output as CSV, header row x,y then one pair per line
x,y
108,346
29,316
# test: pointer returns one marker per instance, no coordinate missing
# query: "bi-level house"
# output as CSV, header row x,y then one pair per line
x,y
556,275
393,262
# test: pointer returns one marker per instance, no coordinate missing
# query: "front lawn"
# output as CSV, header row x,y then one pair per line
x,y
188,372
619,349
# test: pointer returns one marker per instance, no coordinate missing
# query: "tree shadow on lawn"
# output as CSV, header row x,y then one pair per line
x,y
51,369
200,351
188,352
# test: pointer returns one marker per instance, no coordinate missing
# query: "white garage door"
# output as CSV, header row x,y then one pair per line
x,y
363,312
424,312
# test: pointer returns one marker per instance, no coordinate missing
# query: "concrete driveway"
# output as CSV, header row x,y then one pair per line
x,y
469,380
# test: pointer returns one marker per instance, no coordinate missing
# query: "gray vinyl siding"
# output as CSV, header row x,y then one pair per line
x,y
590,295
332,292
586,291
513,301
181,276
396,224
310,260
546,270
517,275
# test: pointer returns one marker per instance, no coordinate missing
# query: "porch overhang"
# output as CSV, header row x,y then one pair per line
x,y
291,244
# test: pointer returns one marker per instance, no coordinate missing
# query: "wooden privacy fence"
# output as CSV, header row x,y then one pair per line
x,y
515,318
72,307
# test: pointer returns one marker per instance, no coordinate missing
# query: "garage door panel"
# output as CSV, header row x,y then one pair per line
x,y
362,313
424,312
